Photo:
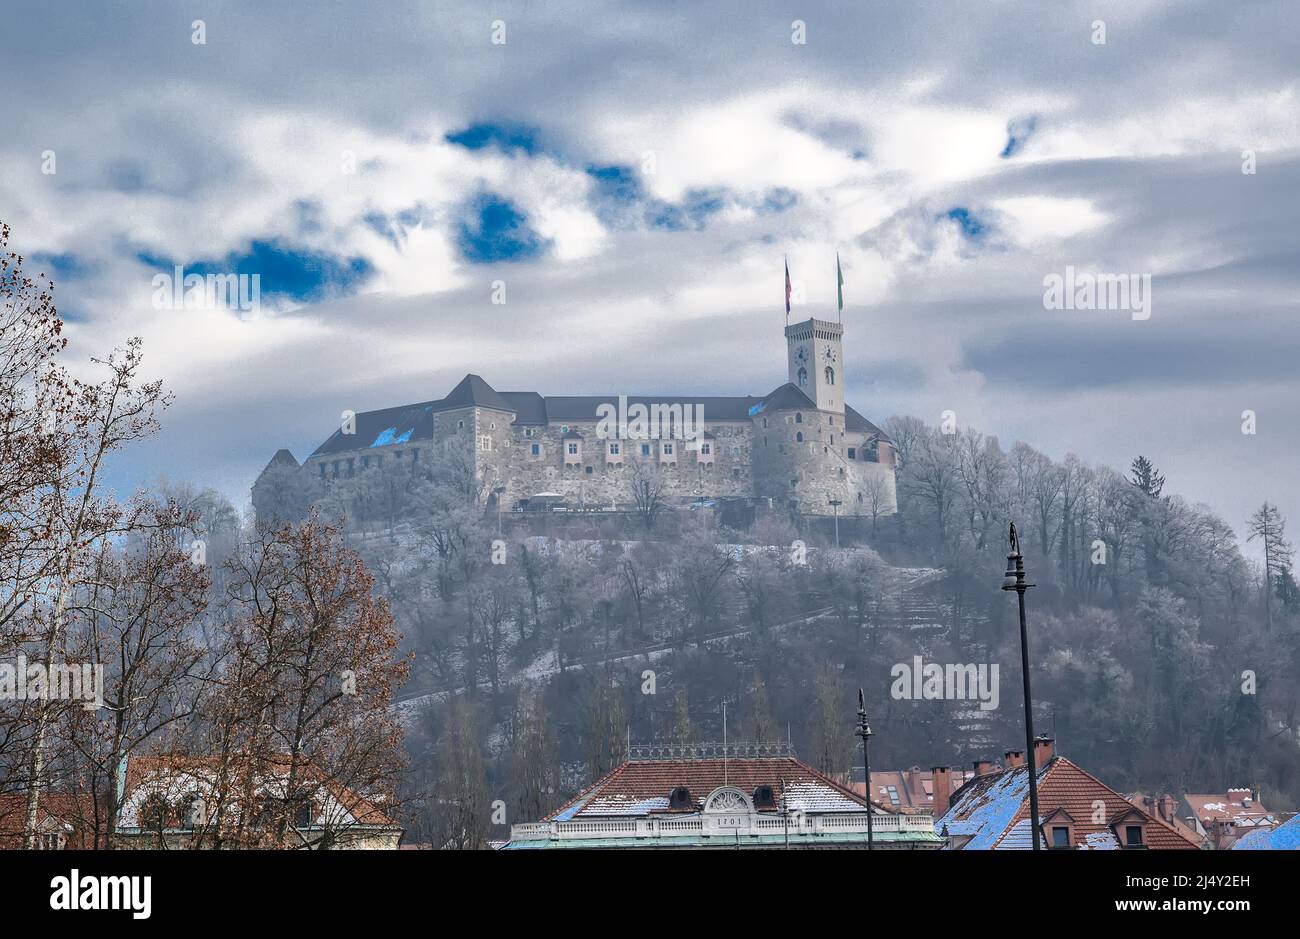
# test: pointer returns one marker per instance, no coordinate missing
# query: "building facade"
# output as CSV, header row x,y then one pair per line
x,y
801,445
721,796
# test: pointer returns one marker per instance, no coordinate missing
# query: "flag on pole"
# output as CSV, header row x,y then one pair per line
x,y
787,289
839,286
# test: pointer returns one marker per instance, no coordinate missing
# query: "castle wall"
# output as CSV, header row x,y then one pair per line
x,y
600,480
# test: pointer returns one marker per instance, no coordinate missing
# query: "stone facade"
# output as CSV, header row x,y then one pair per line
x,y
798,446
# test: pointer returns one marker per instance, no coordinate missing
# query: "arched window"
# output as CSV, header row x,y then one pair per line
x,y
803,377
799,437
798,417
830,375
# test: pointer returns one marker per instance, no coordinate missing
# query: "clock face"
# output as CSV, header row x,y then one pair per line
x,y
829,355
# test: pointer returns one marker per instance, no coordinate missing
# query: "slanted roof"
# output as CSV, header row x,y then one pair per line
x,y
529,406
386,426
282,458
1285,837
993,810
855,422
408,422
473,392
787,397
641,787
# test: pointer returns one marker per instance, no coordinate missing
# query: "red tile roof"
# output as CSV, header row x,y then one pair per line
x,y
994,810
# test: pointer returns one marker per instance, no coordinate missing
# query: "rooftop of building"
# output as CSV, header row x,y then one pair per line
x,y
408,422
991,812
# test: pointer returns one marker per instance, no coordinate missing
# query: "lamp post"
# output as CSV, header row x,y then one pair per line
x,y
835,504
864,731
1015,580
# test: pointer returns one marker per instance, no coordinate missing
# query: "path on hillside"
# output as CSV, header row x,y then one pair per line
x,y
902,605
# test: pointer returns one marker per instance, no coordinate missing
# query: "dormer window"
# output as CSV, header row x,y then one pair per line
x,y
1058,830
1133,836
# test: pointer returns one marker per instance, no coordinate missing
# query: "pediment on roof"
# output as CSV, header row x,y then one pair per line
x,y
728,800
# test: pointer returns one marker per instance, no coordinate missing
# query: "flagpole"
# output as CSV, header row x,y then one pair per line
x,y
839,288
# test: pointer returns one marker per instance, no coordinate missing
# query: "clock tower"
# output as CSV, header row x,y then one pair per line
x,y
817,362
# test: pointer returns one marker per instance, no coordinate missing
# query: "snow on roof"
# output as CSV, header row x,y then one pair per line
x,y
1283,838
987,811
1100,841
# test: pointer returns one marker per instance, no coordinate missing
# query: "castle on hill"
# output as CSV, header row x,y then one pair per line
x,y
800,446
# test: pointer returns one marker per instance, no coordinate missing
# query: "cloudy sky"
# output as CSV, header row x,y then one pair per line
x,y
635,172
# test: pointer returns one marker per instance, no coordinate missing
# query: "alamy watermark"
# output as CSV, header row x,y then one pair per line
x,y
181,291
1081,290
919,681
652,421
23,681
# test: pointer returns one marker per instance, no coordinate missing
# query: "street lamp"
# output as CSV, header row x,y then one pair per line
x,y
1015,580
864,731
835,504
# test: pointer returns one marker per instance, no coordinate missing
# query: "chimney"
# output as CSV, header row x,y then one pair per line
x,y
1014,758
942,786
1044,750
983,767
1168,805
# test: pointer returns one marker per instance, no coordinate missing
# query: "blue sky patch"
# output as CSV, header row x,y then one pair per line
x,y
1019,130
300,274
970,226
506,137
495,230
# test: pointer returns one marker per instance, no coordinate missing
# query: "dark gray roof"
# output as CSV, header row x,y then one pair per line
x,y
854,421
583,407
474,392
529,406
787,397
409,422
388,425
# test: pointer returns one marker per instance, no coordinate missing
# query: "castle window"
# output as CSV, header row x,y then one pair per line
x,y
832,438
415,455
645,449
798,437
793,483
460,425
613,448
537,449
798,417
668,449
588,470
803,377
706,449
484,442
765,423
365,462
336,469
853,453
830,375
573,449
322,471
